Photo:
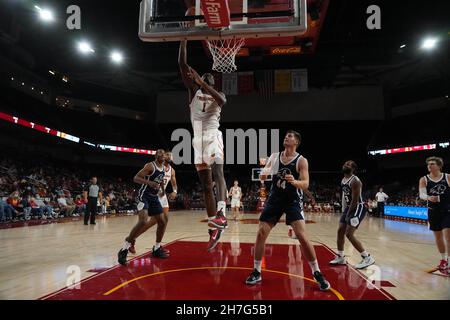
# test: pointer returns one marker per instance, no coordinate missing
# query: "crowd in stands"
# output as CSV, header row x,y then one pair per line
x,y
45,190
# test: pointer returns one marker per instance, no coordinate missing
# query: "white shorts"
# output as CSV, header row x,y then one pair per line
x,y
235,203
164,202
208,148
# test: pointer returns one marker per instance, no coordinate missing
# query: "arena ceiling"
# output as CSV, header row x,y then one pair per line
x,y
347,54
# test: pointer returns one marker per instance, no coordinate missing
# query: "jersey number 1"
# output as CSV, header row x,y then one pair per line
x,y
204,106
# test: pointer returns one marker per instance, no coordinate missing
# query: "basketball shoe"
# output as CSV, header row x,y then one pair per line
x,y
323,283
214,237
443,267
122,256
338,260
365,262
219,221
160,253
254,277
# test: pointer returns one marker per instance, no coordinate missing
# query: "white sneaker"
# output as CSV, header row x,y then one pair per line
x,y
365,262
338,261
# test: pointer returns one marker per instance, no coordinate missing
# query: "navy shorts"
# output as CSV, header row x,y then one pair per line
x,y
151,204
356,218
275,207
438,219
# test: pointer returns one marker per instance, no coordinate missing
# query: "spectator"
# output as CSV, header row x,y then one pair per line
x,y
47,209
66,210
6,211
80,205
36,210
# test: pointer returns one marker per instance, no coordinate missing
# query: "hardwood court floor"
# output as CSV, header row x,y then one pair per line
x,y
35,261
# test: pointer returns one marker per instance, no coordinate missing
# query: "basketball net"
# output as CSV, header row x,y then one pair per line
x,y
224,53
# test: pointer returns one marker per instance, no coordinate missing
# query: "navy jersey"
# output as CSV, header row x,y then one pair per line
x,y
280,187
157,176
346,186
439,188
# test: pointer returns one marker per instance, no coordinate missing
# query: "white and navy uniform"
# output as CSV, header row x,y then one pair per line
x,y
167,179
283,196
236,194
205,119
148,196
354,218
438,212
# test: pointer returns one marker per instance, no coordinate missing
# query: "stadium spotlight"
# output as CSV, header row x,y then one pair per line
x,y
403,46
429,43
45,14
85,47
116,57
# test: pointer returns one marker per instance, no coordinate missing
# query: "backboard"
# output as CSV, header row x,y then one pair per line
x,y
166,20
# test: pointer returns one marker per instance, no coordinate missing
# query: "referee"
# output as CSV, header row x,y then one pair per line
x,y
91,194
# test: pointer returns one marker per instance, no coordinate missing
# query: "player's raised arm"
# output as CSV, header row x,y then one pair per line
x,y
184,68
218,96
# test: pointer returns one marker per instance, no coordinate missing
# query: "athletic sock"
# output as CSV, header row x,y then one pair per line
x,y
157,245
126,245
444,256
257,265
222,205
364,254
314,266
341,254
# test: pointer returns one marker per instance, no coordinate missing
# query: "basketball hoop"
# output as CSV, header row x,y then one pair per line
x,y
224,53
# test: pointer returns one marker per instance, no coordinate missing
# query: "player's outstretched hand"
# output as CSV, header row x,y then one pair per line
x,y
194,76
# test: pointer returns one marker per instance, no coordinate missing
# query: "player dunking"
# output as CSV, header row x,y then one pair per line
x,y
169,176
286,196
205,106
151,178
236,195
354,211
435,189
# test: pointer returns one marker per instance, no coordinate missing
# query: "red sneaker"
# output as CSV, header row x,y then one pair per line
x,y
132,249
214,237
219,221
443,267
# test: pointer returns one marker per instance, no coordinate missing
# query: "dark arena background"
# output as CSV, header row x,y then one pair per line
x,y
95,89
